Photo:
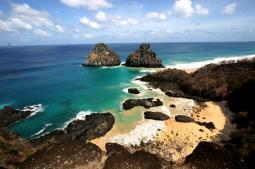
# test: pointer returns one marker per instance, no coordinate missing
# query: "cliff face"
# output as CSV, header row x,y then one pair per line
x,y
102,55
144,57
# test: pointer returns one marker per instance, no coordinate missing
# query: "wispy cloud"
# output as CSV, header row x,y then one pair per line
x,y
229,9
90,4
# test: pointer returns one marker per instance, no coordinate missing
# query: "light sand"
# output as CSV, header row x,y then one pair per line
x,y
180,139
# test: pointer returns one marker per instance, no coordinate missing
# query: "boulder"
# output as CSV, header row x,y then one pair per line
x,y
10,115
102,55
144,57
184,119
172,106
146,103
120,158
155,115
133,91
210,156
209,125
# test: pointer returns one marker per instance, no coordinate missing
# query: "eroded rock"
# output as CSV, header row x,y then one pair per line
x,y
155,115
144,57
146,103
102,55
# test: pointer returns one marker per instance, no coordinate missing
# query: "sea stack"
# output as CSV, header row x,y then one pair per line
x,y
144,57
102,55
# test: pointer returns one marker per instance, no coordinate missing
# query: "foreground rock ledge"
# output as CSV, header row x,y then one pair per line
x,y
102,55
144,57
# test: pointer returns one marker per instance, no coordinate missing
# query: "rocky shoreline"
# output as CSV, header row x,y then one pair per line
x,y
199,135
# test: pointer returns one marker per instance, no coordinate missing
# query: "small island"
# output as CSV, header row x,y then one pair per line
x,y
102,55
144,57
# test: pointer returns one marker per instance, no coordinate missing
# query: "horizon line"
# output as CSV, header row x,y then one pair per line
x,y
10,44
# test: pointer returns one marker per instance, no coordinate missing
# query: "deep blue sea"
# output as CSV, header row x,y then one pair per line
x,y
52,76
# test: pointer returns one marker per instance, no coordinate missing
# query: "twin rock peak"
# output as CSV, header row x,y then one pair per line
x,y
102,55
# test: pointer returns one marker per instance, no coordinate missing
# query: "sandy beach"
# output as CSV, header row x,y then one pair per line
x,y
172,140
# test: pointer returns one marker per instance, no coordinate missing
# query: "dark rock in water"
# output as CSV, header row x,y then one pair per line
x,y
144,57
94,125
155,115
9,115
209,125
184,119
133,91
211,156
172,105
102,55
13,149
146,103
72,154
119,158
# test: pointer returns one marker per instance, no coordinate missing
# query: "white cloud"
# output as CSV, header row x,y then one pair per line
x,y
229,9
120,21
59,29
5,26
94,25
41,33
199,9
184,9
20,24
90,4
156,15
32,16
88,36
101,16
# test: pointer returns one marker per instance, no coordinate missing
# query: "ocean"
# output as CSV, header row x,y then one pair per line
x,y
52,78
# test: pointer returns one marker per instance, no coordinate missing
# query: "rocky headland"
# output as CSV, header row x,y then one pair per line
x,y
144,57
102,55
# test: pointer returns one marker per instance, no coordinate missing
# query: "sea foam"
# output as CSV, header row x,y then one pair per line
x,y
195,65
42,130
140,133
80,116
34,109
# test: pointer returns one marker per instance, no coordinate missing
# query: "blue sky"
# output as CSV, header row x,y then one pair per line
x,y
34,22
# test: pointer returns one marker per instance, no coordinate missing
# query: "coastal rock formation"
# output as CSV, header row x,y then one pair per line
x,y
69,148
94,125
68,155
144,57
210,156
155,115
13,149
215,81
102,55
184,119
120,158
10,115
133,91
146,103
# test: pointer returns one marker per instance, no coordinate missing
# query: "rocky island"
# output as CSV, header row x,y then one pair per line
x,y
102,55
144,57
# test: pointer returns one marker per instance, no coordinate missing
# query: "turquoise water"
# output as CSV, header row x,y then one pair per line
x,y
52,76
